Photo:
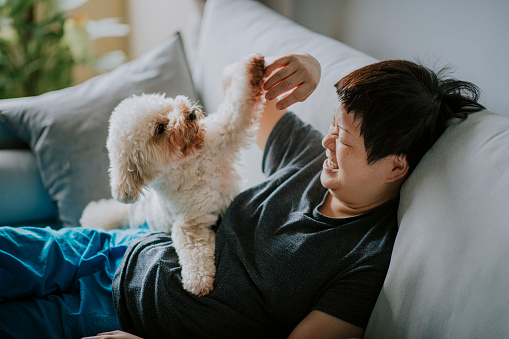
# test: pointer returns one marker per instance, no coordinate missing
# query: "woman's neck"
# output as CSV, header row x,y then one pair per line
x,y
334,208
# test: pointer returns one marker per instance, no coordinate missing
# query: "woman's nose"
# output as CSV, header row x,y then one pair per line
x,y
326,141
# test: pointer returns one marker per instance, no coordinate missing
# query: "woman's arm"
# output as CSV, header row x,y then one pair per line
x,y
113,335
270,117
289,79
322,325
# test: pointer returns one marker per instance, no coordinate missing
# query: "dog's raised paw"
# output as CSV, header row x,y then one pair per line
x,y
255,70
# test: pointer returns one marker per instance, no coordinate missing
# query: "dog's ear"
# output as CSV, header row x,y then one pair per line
x,y
126,180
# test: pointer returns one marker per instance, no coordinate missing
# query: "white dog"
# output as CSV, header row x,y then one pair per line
x,y
189,163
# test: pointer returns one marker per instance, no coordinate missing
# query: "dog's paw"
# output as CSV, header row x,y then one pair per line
x,y
199,285
255,68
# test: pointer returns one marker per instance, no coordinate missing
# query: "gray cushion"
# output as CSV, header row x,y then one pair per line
x,y
232,29
67,129
449,274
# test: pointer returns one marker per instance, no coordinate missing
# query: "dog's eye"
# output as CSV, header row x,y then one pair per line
x,y
160,128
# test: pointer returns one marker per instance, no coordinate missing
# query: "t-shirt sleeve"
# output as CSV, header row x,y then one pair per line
x,y
352,297
291,142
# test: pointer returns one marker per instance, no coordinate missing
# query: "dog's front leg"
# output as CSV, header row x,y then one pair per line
x,y
194,241
238,114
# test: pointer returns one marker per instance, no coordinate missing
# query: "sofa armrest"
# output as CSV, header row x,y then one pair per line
x,y
9,140
23,199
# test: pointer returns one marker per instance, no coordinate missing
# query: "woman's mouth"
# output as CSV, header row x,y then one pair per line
x,y
331,164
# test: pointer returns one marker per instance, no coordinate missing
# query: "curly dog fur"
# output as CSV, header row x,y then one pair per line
x,y
179,167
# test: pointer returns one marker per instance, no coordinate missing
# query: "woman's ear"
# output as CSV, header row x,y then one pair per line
x,y
399,169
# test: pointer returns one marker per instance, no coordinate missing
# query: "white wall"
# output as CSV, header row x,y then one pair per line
x,y
154,20
472,36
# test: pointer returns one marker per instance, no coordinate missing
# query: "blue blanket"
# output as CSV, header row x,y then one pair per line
x,y
57,283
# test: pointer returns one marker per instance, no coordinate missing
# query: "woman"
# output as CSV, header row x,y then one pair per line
x,y
304,253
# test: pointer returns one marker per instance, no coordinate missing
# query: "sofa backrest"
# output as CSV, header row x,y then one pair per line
x,y
449,273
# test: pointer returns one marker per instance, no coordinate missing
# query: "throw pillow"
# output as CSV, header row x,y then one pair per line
x,y
67,129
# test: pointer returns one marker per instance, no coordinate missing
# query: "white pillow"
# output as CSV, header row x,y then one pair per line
x,y
232,29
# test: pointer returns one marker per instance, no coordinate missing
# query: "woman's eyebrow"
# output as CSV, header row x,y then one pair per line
x,y
344,129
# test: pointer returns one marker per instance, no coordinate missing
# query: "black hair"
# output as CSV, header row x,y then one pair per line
x,y
404,107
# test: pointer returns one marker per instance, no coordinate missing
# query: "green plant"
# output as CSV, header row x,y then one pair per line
x,y
33,59
39,45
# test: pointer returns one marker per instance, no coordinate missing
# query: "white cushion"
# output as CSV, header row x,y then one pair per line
x,y
449,274
232,29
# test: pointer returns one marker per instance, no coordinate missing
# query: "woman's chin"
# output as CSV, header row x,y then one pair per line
x,y
327,182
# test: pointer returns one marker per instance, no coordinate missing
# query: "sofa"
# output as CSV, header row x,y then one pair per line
x,y
449,272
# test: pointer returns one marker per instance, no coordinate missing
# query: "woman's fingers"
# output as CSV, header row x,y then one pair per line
x,y
113,335
275,63
279,75
300,72
301,93
291,81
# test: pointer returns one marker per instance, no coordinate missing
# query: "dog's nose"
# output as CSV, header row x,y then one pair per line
x,y
192,115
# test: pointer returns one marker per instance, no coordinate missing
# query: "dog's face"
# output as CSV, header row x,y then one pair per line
x,y
147,134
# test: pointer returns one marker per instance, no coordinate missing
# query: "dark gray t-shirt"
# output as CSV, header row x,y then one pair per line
x,y
277,257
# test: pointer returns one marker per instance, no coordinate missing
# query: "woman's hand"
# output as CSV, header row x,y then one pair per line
x,y
114,335
300,72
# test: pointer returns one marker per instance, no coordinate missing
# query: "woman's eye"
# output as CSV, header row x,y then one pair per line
x,y
160,128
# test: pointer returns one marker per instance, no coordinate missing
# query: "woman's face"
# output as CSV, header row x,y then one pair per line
x,y
346,172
